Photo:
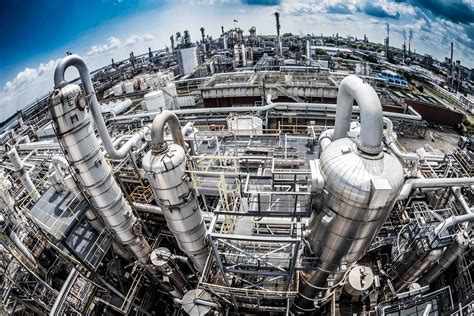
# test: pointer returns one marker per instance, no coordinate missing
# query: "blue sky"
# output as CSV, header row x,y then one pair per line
x,y
35,34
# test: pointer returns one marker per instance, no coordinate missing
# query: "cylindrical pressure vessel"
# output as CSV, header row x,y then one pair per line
x,y
83,153
359,192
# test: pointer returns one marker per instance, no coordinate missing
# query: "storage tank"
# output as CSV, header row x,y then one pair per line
x,y
236,53
355,185
129,88
187,60
116,107
155,101
170,93
118,89
244,55
245,125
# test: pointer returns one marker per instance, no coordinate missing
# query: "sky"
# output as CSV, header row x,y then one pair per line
x,y
36,34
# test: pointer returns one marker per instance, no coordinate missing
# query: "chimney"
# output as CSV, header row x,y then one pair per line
x,y
278,46
172,43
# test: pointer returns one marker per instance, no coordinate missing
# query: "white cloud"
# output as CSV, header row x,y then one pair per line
x,y
135,39
25,87
112,44
34,82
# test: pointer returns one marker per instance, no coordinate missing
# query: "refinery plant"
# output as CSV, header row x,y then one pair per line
x,y
245,174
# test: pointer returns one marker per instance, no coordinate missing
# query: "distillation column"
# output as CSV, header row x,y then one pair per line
x,y
355,185
166,171
72,122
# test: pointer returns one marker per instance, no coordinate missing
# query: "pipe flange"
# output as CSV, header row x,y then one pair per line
x,y
81,101
368,150
137,229
159,149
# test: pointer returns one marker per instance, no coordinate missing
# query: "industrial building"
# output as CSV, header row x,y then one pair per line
x,y
239,175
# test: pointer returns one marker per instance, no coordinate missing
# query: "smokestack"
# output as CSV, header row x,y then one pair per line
x,y
410,37
278,46
202,34
150,54
451,63
113,63
172,43
222,29
203,40
132,60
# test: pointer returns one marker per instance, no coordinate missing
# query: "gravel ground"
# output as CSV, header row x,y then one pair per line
x,y
445,141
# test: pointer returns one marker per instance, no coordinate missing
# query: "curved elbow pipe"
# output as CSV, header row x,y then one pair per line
x,y
59,81
371,116
158,143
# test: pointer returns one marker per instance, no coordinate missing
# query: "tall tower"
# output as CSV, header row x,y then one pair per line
x,y
387,41
278,44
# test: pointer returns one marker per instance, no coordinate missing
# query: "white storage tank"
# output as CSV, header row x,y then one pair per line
x,y
188,60
118,89
170,93
186,101
245,125
155,101
129,87
116,107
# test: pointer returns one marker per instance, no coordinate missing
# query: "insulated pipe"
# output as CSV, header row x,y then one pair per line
x,y
411,184
5,196
453,220
371,115
23,174
22,247
148,208
270,106
59,81
63,293
460,198
325,139
405,157
448,257
158,128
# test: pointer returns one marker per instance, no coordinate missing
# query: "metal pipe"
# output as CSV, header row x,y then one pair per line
x,y
453,220
22,247
460,198
63,293
411,184
447,258
148,208
23,174
414,116
371,116
325,139
59,82
411,159
158,127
